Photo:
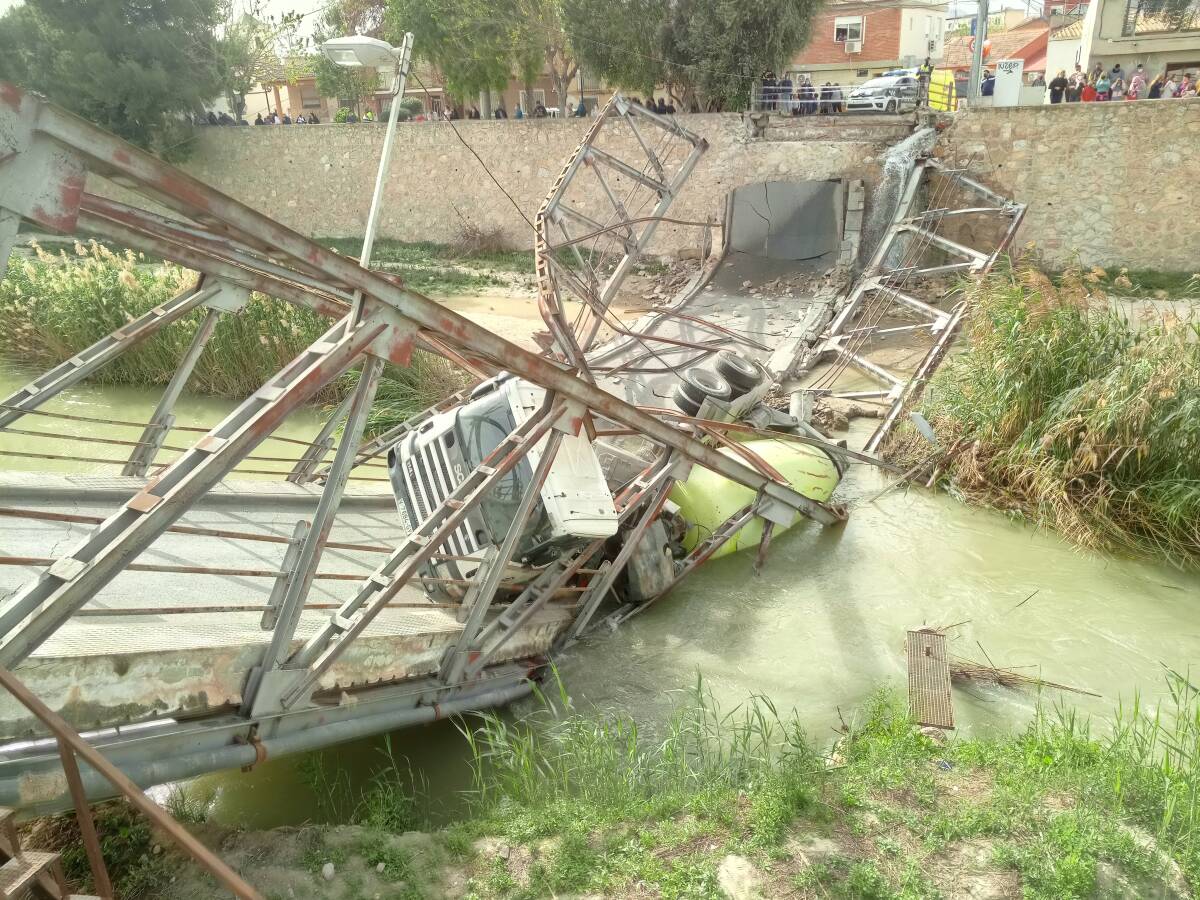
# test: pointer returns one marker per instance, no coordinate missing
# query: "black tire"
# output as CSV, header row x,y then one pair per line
x,y
699,383
741,373
686,404
892,107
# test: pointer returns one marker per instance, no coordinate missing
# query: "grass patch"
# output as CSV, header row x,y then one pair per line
x,y
54,306
1064,412
593,805
542,771
427,253
573,803
126,842
1148,283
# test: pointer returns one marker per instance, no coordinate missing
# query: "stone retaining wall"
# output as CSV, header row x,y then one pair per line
x,y
318,179
1110,184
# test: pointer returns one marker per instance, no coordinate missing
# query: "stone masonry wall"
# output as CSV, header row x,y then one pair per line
x,y
1108,183
319,179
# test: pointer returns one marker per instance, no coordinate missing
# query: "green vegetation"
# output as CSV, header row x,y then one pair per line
x,y
419,254
134,858
573,803
1073,415
1144,282
706,52
134,69
55,306
887,814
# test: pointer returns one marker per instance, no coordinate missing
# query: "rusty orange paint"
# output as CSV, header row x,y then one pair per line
x,y
11,95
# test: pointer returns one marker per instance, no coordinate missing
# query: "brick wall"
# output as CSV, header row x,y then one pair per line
x,y
881,38
1107,183
318,179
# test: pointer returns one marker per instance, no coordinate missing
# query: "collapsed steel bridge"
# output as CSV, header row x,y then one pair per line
x,y
293,695
310,667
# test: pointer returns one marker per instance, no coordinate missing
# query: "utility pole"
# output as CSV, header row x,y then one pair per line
x,y
981,27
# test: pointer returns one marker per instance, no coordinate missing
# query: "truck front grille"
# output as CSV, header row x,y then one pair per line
x,y
430,480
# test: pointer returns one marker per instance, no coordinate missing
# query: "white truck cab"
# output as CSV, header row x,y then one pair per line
x,y
432,460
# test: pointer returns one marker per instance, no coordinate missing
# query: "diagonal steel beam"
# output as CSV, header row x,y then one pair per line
x,y
163,417
595,154
483,589
323,648
109,155
526,605
104,351
60,591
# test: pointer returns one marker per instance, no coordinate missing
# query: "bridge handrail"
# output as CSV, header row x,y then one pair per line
x,y
72,745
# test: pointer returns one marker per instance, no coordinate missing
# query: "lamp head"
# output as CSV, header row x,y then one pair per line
x,y
359,51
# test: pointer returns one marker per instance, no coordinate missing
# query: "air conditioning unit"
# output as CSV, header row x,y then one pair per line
x,y
854,46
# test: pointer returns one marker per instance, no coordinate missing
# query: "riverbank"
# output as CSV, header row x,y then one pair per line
x,y
743,804
1074,409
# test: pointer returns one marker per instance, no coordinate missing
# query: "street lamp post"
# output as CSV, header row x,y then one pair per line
x,y
366,52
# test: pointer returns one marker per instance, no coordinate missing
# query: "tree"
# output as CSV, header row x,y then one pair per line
x,y
347,84
541,42
249,48
137,69
706,52
470,41
620,41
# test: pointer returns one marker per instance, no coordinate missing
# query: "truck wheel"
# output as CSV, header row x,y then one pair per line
x,y
699,383
741,373
686,404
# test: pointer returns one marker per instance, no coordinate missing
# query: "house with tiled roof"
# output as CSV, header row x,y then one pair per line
x,y
1162,37
1026,42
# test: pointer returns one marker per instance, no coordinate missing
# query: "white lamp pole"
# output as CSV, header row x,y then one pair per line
x,y
368,52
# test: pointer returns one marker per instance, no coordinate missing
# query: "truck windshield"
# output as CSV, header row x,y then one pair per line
x,y
481,428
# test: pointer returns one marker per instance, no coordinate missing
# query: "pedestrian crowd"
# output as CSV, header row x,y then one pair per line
x,y
273,118
803,98
1115,84
540,111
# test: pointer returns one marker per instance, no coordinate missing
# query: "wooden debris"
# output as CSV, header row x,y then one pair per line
x,y
968,670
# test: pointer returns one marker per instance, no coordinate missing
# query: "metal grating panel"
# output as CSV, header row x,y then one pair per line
x,y
929,700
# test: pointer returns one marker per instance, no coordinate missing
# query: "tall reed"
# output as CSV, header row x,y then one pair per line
x,y
557,755
54,306
1068,412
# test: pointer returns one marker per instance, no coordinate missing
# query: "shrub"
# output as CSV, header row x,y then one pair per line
x,y
1067,412
55,306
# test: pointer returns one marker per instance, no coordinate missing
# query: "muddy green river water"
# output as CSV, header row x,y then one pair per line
x,y
817,632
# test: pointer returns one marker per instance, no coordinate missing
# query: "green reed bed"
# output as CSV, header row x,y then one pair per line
x,y
53,306
567,766
1076,416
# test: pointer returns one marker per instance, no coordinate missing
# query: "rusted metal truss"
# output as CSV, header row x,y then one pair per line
x,y
47,158
583,251
897,294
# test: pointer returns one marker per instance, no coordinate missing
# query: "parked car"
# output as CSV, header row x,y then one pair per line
x,y
886,94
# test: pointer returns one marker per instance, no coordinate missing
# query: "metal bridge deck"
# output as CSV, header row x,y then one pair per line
x,y
102,669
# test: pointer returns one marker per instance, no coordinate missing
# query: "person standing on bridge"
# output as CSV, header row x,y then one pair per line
x,y
1058,86
924,76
